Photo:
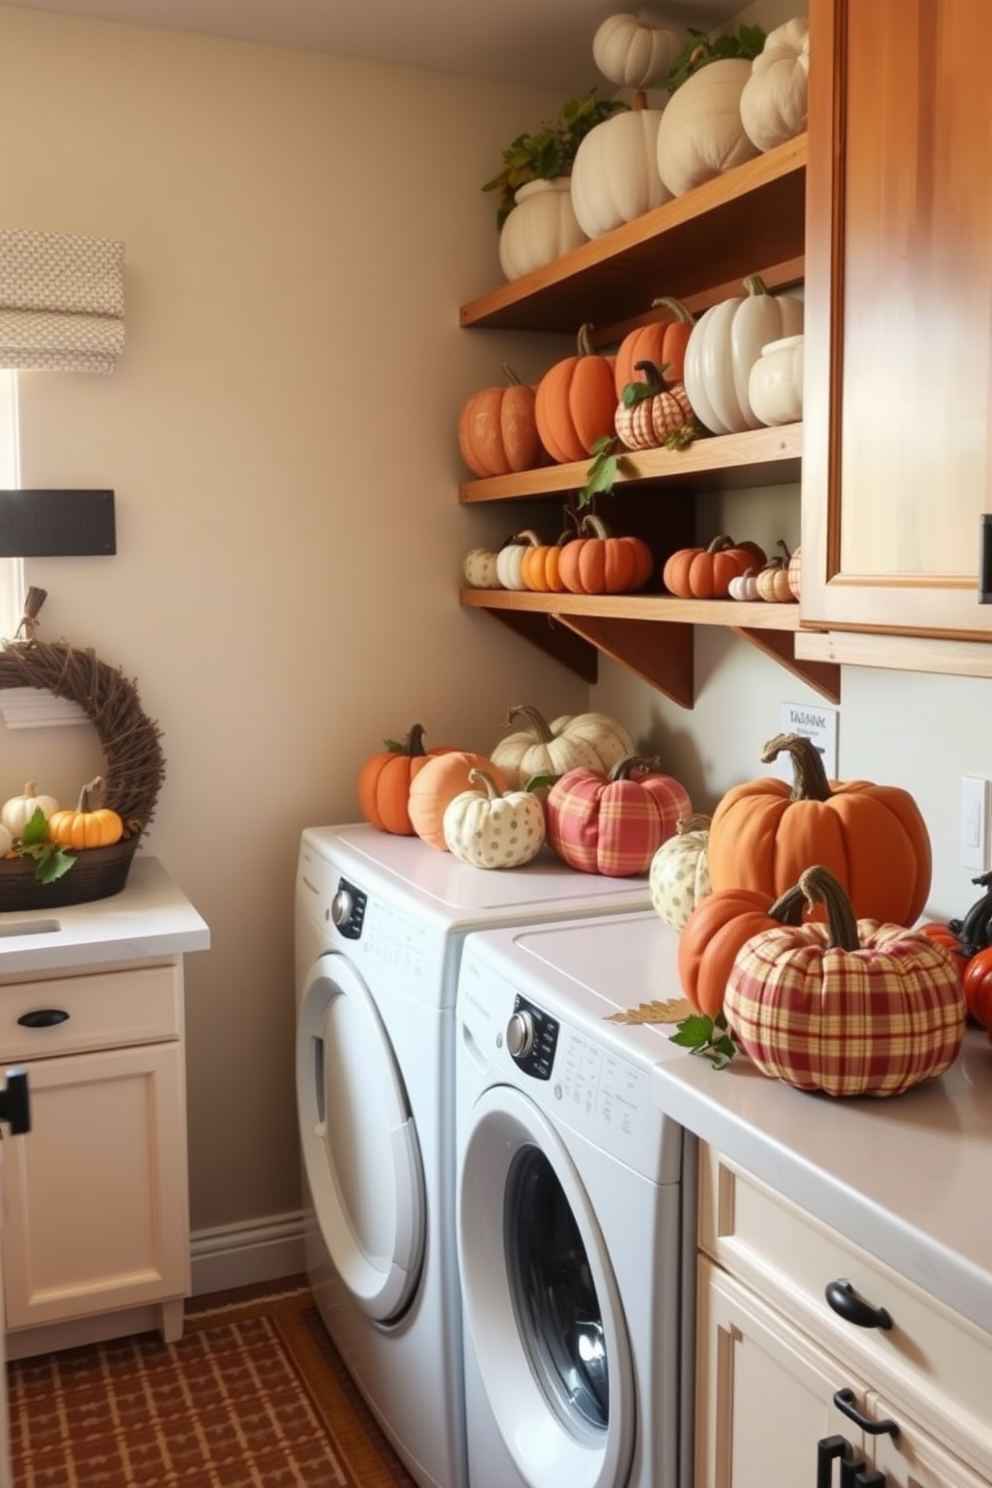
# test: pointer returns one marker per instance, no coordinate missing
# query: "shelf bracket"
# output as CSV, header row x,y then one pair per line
x,y
658,652
557,641
822,676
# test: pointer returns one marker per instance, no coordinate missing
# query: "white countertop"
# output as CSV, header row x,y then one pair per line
x,y
150,917
909,1177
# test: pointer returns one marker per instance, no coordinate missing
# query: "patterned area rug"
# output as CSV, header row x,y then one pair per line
x,y
253,1395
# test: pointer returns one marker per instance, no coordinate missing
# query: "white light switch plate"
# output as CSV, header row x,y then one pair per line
x,y
975,823
817,724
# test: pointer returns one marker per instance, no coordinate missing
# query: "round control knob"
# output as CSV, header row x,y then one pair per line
x,y
341,907
520,1034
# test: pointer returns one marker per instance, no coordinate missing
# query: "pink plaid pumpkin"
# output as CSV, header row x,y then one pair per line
x,y
849,1007
615,823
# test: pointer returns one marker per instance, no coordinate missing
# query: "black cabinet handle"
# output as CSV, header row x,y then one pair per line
x,y
43,1018
845,1301
15,1102
852,1474
844,1401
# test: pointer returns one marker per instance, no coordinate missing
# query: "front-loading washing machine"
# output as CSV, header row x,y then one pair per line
x,y
575,1211
380,924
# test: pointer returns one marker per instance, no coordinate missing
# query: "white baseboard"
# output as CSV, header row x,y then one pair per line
x,y
243,1254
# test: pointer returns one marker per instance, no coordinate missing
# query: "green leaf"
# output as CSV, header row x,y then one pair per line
x,y
541,781
708,1037
36,829
700,49
602,473
52,865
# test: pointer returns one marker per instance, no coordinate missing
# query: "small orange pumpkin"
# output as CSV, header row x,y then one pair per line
x,y
661,342
385,779
438,782
497,433
89,825
705,573
540,568
597,563
575,402
872,838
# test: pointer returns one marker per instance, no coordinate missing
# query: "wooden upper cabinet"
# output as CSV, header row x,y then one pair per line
x,y
898,380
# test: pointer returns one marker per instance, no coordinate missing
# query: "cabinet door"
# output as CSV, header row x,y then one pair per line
x,y
897,463
913,1459
764,1391
95,1195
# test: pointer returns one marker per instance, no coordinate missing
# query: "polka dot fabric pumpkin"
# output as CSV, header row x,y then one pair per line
x,y
488,830
680,876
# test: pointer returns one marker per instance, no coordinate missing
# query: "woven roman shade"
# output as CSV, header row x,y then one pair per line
x,y
61,301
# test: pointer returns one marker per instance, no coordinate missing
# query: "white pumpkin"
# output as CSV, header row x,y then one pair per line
x,y
701,134
725,343
510,557
632,53
774,100
18,811
488,830
679,876
541,227
744,586
775,387
591,741
615,172
479,569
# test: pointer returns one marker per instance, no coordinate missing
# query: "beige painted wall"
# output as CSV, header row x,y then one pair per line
x,y
300,232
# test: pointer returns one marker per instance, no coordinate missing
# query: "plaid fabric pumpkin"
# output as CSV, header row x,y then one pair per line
x,y
849,1008
614,824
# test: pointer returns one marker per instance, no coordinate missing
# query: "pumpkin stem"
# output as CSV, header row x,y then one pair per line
x,y
697,822
648,764
820,887
680,311
591,523
809,778
413,744
788,907
755,285
584,340
528,538
487,780
510,375
653,376
639,100
720,544
540,727
88,792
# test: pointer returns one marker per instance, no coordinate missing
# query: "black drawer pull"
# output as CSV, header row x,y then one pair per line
x,y
854,1309
844,1401
43,1018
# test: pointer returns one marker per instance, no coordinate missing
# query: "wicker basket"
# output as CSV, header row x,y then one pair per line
x,y
97,873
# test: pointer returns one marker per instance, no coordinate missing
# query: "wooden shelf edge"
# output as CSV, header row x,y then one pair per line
x,y
735,614
896,652
753,458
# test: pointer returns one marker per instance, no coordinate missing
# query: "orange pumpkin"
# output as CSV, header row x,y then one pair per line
x,y
597,563
976,982
715,931
705,573
540,568
575,402
497,433
662,342
871,838
385,779
439,781
89,825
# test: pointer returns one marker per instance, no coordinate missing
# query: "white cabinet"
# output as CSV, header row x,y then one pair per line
x,y
95,1196
780,1371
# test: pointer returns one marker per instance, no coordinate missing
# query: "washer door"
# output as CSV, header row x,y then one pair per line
x,y
360,1148
541,1301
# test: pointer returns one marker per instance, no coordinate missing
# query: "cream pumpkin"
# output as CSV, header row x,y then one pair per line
x,y
633,53
725,343
509,559
591,741
701,134
679,876
18,810
774,100
479,569
487,828
541,227
615,173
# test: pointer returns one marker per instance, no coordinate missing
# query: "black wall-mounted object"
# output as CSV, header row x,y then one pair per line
x,y
57,524
985,560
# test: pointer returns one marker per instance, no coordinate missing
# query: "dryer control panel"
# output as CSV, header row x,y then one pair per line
x,y
531,1038
348,910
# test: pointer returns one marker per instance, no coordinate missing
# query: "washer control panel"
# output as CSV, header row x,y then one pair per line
x,y
348,910
531,1039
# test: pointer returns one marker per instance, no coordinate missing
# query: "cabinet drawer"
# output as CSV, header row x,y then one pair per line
x,y
106,1010
932,1358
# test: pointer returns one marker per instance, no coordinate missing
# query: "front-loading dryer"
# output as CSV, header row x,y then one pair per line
x,y
575,1211
380,924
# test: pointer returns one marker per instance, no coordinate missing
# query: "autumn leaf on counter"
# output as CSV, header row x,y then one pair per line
x,y
673,1011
